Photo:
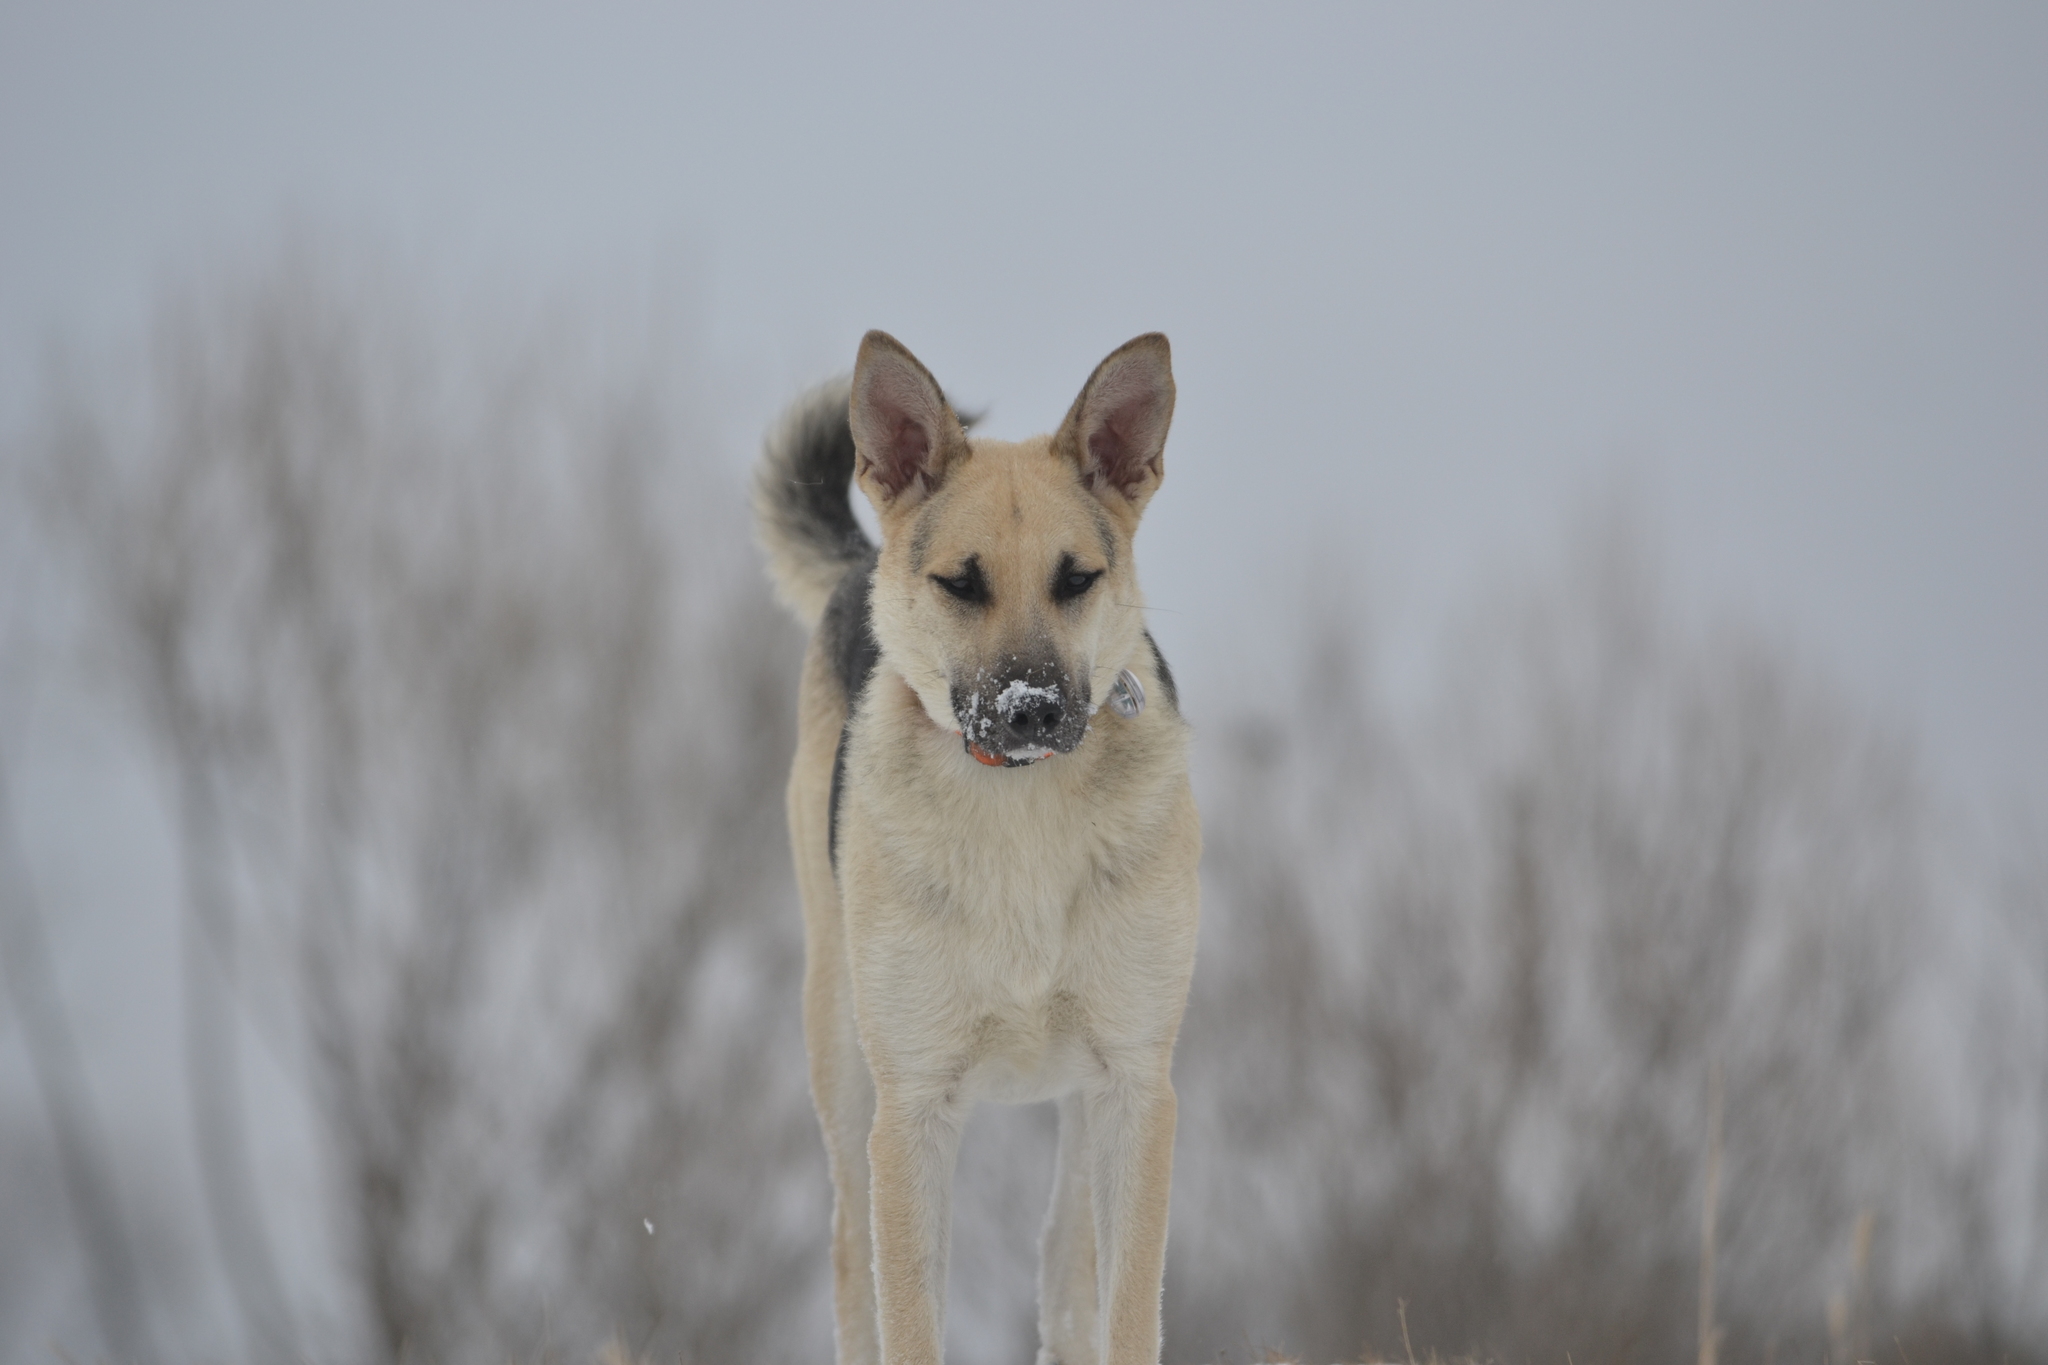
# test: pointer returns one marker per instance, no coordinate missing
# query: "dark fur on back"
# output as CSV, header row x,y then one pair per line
x,y
849,642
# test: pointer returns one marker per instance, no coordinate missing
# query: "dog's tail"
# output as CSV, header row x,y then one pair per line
x,y
803,515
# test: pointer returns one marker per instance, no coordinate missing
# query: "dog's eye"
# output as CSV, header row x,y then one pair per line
x,y
1072,582
969,586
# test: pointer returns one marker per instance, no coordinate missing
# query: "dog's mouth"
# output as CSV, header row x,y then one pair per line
x,y
1015,721
1014,758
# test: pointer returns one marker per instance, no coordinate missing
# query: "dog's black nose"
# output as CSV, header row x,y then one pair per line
x,y
1037,721
1032,713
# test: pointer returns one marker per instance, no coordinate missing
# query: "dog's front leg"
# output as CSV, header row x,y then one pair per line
x,y
910,1159
1130,1140
1068,1290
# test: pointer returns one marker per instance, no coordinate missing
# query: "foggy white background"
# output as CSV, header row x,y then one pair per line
x,y
1433,276
1436,279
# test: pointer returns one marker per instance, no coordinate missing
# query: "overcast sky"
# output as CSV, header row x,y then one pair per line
x,y
1434,276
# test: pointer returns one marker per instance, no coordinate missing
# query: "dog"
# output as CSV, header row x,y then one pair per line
x,y
995,839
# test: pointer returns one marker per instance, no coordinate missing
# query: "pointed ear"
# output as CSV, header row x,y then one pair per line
x,y
904,432
1116,431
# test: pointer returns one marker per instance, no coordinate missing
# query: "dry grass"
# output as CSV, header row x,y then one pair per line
x,y
1276,1357
617,1352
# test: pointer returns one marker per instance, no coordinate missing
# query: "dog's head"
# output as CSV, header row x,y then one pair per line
x,y
1005,594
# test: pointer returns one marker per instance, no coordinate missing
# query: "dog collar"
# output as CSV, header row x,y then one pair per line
x,y
1127,695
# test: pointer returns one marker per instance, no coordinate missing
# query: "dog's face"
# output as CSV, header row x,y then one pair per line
x,y
1005,593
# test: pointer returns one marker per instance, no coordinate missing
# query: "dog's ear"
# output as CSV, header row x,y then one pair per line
x,y
903,429
1116,431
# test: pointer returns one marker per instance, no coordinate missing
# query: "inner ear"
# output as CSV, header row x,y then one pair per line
x,y
903,429
1116,430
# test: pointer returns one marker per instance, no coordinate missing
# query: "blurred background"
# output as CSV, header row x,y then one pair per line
x,y
1603,558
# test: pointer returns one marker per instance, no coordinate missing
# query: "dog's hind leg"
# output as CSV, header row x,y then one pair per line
x,y
846,1108
840,1085
845,1096
1066,1267
910,1154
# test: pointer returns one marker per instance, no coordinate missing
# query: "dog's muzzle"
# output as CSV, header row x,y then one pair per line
x,y
1018,718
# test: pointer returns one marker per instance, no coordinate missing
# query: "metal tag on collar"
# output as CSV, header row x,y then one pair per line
x,y
1127,697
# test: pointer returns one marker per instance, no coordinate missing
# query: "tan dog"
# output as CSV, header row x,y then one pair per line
x,y
997,869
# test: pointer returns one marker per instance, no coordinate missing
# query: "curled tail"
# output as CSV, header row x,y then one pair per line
x,y
803,515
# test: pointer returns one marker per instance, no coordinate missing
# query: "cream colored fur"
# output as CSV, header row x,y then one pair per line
x,y
1011,934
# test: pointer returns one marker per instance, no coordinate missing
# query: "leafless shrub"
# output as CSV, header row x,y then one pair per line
x,y
474,718
1466,983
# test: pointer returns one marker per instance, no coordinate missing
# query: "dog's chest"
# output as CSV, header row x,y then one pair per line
x,y
1012,886
988,897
